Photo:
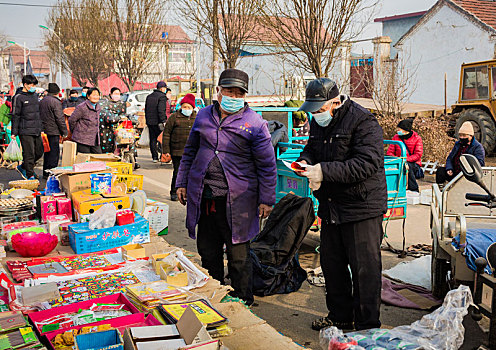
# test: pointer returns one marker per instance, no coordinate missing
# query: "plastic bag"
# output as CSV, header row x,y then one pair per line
x,y
103,217
144,140
440,330
13,152
333,338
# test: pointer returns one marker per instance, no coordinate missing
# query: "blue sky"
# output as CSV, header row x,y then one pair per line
x,y
20,23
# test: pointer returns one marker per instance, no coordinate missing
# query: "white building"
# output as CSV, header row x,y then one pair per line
x,y
452,32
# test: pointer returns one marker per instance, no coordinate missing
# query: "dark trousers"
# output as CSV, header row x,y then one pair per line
x,y
88,149
51,159
357,297
175,163
213,233
154,131
32,151
442,176
412,180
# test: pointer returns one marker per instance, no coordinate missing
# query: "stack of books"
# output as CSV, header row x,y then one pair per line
x,y
15,332
147,296
205,312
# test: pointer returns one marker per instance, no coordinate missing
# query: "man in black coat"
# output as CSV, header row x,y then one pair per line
x,y
26,124
346,172
54,126
72,100
155,106
83,96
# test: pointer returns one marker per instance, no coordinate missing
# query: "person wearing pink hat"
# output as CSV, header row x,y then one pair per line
x,y
176,132
466,144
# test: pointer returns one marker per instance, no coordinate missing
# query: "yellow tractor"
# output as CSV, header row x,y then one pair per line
x,y
477,102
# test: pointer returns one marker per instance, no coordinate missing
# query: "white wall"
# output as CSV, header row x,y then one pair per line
x,y
441,45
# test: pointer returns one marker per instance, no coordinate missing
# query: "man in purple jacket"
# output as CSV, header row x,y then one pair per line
x,y
228,177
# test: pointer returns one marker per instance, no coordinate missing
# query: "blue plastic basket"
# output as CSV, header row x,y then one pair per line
x,y
107,340
83,240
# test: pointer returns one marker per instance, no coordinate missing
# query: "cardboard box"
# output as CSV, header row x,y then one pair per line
x,y
72,183
106,340
120,298
178,279
156,248
48,207
69,150
87,203
64,206
156,263
121,168
188,331
157,214
83,240
133,251
38,294
92,157
54,221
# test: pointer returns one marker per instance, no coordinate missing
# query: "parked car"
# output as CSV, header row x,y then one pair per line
x,y
135,100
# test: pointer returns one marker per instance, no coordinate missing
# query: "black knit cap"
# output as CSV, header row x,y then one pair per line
x,y
406,124
317,93
234,78
53,88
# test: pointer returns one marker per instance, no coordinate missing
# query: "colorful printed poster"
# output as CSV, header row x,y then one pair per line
x,y
83,289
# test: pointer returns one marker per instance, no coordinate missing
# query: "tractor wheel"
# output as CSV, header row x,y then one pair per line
x,y
484,128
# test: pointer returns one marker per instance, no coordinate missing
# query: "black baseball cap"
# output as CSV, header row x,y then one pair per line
x,y
318,92
234,78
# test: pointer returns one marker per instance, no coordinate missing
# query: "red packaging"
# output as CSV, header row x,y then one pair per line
x,y
48,207
125,217
64,206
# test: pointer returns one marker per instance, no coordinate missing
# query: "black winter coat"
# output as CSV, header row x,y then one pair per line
x,y
68,103
52,116
351,153
155,106
26,114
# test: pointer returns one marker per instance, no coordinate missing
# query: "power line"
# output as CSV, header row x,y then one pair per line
x,y
27,5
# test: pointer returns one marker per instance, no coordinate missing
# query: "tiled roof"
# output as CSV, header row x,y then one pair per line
x,y
39,59
484,10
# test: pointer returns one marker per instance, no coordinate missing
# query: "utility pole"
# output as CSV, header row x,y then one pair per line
x,y
215,48
167,54
60,51
198,45
24,50
198,82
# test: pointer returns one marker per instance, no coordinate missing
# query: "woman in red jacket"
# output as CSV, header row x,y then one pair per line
x,y
414,147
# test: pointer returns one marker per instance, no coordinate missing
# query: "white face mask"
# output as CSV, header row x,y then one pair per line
x,y
116,97
323,119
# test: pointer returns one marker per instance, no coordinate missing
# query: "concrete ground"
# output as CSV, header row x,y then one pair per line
x,y
292,314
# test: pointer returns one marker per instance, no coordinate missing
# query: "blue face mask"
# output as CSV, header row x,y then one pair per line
x,y
401,133
323,119
232,104
83,94
74,98
32,90
187,112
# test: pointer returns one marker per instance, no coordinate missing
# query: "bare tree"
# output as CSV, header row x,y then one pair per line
x,y
312,31
391,85
135,39
225,25
78,37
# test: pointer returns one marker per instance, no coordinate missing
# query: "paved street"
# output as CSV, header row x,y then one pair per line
x,y
292,314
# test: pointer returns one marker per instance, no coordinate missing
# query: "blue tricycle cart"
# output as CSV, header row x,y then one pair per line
x,y
288,181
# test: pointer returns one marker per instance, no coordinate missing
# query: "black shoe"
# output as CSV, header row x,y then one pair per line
x,y
173,197
136,166
250,302
325,322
